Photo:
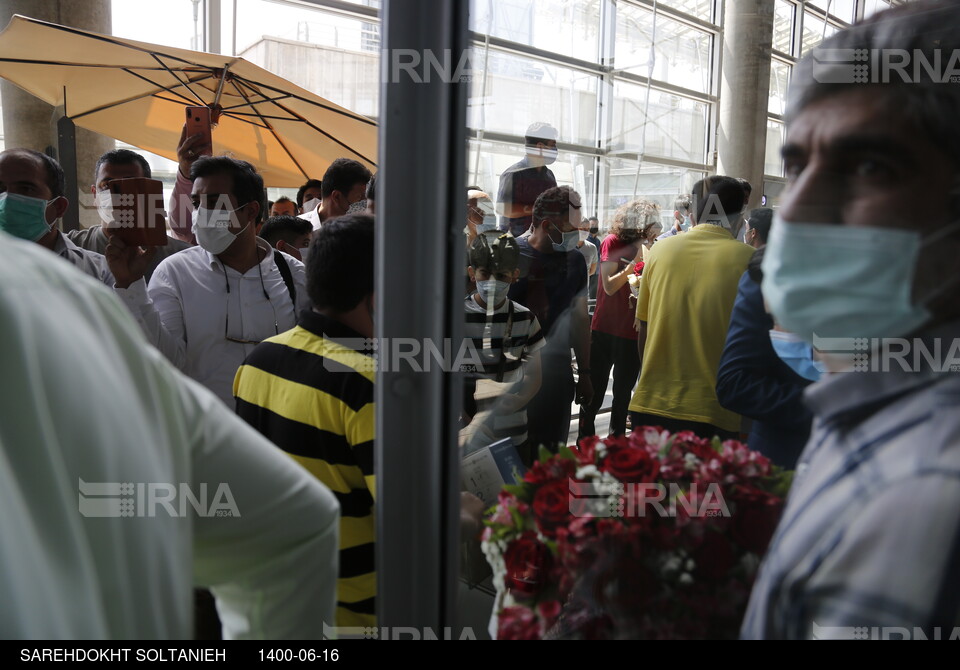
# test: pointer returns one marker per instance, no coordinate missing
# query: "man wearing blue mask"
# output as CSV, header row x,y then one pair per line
x,y
553,285
869,541
681,217
523,182
208,306
31,202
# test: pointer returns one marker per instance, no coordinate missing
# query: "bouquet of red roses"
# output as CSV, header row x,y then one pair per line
x,y
650,536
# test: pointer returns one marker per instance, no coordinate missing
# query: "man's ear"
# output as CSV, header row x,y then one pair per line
x,y
59,206
281,245
471,274
516,275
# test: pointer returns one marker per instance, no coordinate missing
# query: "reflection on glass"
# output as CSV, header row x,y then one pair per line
x,y
698,8
783,26
845,10
671,125
660,184
873,6
772,163
779,78
681,54
510,91
560,26
814,32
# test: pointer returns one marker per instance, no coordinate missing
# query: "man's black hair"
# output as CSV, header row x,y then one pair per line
x,y
122,157
342,175
371,193
760,220
340,263
55,179
717,199
285,227
311,183
247,183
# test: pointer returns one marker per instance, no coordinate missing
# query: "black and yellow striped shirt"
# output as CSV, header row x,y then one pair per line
x,y
310,391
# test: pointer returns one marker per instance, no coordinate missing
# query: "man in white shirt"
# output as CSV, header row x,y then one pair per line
x,y
208,306
101,566
344,183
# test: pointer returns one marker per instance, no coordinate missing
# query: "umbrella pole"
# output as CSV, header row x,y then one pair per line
x,y
67,155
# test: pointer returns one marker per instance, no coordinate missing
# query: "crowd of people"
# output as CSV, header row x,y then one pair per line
x,y
201,357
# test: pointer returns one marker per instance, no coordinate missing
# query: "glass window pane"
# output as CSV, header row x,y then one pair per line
x,y
674,128
783,27
842,9
335,56
487,161
659,183
874,6
513,91
174,27
814,32
699,8
560,26
779,78
682,53
773,164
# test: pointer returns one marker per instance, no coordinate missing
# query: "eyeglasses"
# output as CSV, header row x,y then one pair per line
x,y
226,319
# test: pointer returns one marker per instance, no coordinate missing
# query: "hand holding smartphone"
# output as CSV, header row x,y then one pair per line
x,y
199,123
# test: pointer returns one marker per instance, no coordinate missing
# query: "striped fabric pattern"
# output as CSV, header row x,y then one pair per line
x,y
310,391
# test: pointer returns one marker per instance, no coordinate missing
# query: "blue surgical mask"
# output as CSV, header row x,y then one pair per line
x,y
685,226
23,216
796,354
845,281
569,240
549,155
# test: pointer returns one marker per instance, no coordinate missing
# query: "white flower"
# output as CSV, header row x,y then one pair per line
x,y
686,578
587,472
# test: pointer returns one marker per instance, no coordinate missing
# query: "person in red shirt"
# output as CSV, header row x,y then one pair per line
x,y
613,338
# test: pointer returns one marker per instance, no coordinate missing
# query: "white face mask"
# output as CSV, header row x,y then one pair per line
x,y
489,224
310,205
212,228
105,206
303,253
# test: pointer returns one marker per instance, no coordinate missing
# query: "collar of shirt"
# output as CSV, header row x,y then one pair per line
x,y
325,326
63,245
265,265
848,393
708,228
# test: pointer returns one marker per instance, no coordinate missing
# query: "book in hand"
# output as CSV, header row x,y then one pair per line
x,y
484,471
137,212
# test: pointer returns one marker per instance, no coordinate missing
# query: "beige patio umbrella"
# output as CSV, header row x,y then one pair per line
x,y
136,92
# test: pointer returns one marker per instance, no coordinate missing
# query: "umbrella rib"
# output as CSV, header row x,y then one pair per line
x,y
265,99
148,94
287,94
273,132
311,125
182,83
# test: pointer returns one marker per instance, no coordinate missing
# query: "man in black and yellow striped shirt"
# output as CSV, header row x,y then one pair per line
x,y
310,390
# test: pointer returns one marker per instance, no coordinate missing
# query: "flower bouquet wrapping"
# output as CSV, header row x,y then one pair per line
x,y
650,536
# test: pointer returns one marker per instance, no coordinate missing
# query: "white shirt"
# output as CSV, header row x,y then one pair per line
x,y
186,309
120,413
313,216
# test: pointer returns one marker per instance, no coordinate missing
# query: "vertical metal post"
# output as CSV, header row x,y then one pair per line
x,y
421,209
212,27
67,157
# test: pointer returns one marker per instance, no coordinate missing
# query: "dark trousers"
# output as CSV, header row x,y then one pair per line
x,y
704,430
548,413
592,285
606,352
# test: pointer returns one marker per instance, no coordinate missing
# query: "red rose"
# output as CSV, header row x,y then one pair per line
x,y
518,623
631,465
528,563
553,469
551,506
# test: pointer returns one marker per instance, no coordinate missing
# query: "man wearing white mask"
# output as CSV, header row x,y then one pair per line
x,y
681,217
869,542
208,306
344,183
31,203
523,182
113,165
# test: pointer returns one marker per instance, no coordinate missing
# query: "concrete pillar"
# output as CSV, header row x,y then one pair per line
x,y
31,123
744,89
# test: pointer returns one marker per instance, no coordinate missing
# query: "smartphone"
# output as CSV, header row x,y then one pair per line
x,y
198,123
138,215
